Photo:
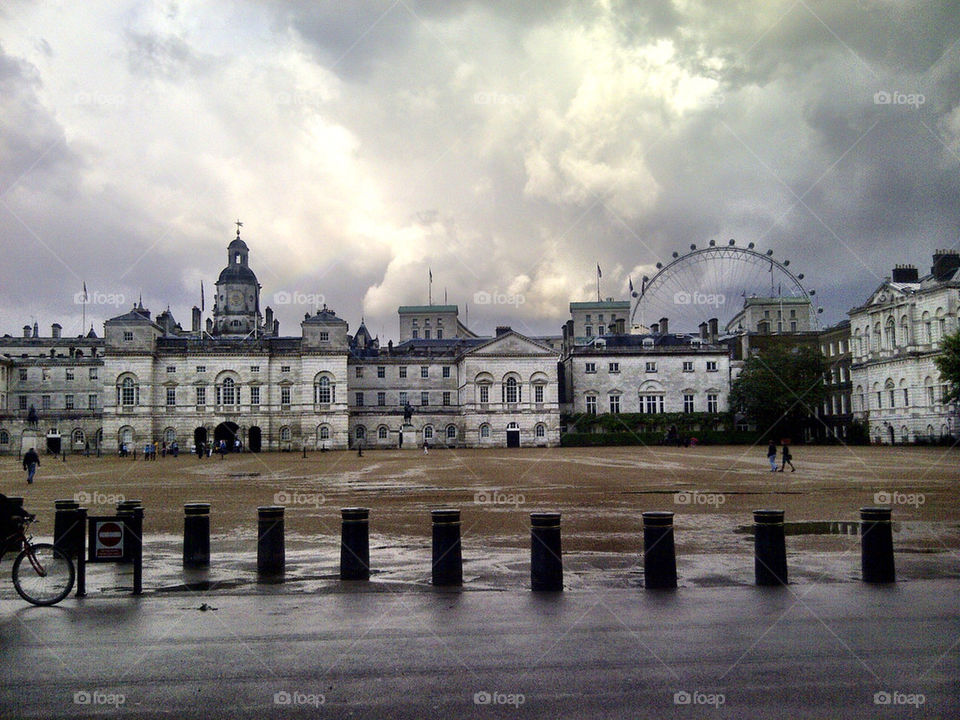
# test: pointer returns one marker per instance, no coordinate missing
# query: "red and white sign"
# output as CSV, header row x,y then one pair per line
x,y
109,540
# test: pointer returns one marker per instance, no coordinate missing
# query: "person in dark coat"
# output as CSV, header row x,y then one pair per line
x,y
787,459
772,456
9,512
31,461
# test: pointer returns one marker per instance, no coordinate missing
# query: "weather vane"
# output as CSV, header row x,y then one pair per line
x,y
239,225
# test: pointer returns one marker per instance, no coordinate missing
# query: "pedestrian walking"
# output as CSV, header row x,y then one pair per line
x,y
31,461
772,456
787,459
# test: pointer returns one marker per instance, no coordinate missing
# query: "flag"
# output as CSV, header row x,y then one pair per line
x,y
431,274
85,297
202,296
599,272
631,285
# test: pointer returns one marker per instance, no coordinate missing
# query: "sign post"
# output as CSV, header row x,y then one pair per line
x,y
118,539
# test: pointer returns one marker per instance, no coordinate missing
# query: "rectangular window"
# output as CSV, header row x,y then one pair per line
x,y
589,331
793,328
359,399
324,336
381,371
446,397
615,404
23,401
415,334
424,371
255,395
439,333
201,395
403,397
590,367
613,367
906,397
711,365
45,400
171,368
284,368
285,395
651,404
587,317
651,366
128,336
381,398
600,318
93,373
68,402
538,393
688,403
69,374
203,368
711,402
424,398
403,372
591,404
446,371
171,396
688,365
359,371
484,394
92,402
253,369
426,333
23,374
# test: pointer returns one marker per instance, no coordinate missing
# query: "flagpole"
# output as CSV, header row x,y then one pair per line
x,y
83,322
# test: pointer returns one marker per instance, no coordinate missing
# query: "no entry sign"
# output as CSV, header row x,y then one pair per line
x,y
108,540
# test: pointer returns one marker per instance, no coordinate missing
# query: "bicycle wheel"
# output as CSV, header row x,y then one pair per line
x,y
43,575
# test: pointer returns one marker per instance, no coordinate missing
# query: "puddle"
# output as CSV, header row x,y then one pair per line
x,y
816,527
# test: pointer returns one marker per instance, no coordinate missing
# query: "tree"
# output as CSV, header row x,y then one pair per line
x,y
948,363
780,388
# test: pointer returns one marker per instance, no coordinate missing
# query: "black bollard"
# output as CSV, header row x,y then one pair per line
x,y
769,548
271,558
67,527
127,505
447,556
546,559
81,514
876,545
196,535
355,544
659,555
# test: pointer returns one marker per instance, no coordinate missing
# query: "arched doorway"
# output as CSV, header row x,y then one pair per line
x,y
199,437
228,432
513,435
255,439
893,439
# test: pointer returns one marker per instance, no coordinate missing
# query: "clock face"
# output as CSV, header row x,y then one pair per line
x,y
236,298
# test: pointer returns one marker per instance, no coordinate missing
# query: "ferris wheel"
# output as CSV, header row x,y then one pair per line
x,y
715,282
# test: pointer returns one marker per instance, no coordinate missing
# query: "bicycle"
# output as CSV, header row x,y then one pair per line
x,y
42,573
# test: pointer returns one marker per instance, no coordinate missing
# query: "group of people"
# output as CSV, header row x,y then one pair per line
x,y
673,437
152,449
208,449
786,457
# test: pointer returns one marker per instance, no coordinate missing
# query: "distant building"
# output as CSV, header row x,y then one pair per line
x,y
895,337
764,321
836,413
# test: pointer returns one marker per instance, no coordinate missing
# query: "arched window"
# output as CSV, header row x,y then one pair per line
x,y
891,394
169,435
382,432
428,432
285,434
128,392
229,395
324,432
125,436
541,430
511,391
484,431
890,338
78,437
451,432
4,437
361,432
323,390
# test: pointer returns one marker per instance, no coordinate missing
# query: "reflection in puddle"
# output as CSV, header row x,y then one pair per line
x,y
816,527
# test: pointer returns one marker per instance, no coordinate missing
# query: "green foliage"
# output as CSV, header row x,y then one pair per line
x,y
780,388
948,363
643,423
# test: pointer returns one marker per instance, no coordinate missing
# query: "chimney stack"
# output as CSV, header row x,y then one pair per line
x,y
620,326
664,327
55,330
703,331
714,329
268,318
905,274
36,330
209,326
945,264
503,330
655,328
276,328
195,319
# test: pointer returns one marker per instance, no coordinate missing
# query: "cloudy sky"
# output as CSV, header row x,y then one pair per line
x,y
509,146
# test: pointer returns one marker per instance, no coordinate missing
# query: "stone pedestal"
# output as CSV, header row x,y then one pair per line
x,y
408,437
31,437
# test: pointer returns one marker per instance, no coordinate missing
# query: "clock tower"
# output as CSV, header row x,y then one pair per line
x,y
236,308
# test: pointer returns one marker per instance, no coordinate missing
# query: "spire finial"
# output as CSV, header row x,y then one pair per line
x,y
239,225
